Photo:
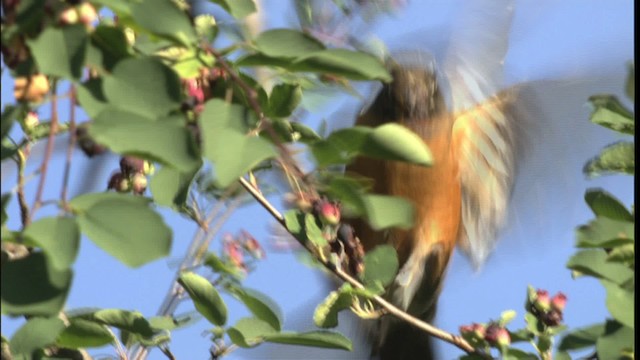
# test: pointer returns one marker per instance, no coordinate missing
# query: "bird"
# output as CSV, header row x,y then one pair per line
x,y
476,135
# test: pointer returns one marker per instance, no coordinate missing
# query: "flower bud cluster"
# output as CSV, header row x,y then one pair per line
x,y
241,250
548,310
494,334
132,175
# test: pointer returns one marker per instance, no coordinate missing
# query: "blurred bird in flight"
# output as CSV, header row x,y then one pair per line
x,y
475,136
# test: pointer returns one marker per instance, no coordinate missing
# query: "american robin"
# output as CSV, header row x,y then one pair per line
x,y
460,200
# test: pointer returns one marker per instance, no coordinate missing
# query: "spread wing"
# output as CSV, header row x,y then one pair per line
x,y
485,133
486,140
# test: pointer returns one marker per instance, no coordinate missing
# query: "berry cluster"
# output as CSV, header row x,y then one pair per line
x,y
132,175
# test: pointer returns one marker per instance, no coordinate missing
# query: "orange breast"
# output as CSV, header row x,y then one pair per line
x,y
434,191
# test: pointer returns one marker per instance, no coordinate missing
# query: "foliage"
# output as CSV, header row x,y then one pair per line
x,y
191,119
188,119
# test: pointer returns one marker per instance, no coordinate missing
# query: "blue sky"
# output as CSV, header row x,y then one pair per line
x,y
567,50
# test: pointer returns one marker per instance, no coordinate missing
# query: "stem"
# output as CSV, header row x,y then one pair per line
x,y
22,201
390,308
72,143
49,150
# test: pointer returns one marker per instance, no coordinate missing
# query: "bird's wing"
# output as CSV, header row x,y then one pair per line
x,y
486,140
484,136
478,45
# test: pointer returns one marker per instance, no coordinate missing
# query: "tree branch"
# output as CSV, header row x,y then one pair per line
x,y
390,308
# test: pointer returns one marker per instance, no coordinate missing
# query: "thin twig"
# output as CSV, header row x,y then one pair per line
x,y
390,308
165,350
49,150
22,200
72,143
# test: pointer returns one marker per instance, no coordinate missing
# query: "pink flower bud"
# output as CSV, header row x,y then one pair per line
x,y
329,212
473,332
559,301
234,252
252,246
497,335
195,90
542,301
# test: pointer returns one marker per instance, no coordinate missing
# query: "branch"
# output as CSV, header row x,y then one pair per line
x,y
390,308
72,143
49,150
289,162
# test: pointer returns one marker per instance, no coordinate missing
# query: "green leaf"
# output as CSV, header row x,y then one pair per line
x,y
581,338
283,100
521,335
594,263
620,303
506,317
226,143
165,19
9,115
630,86
517,354
303,133
126,133
287,43
61,51
130,321
205,26
249,332
170,187
205,297
294,221
35,334
615,158
31,286
83,333
5,201
606,205
222,267
380,266
132,233
59,238
84,202
534,325
326,313
610,113
237,8
322,339
388,211
260,305
313,231
107,47
353,65
144,86
605,233
395,142
334,151
616,340
622,254
91,97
